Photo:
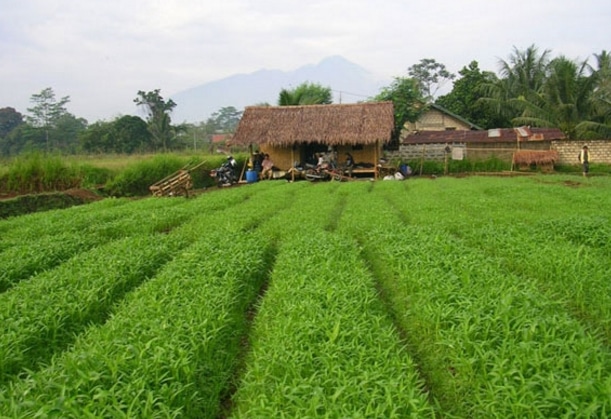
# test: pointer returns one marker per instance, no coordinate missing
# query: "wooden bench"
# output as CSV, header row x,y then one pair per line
x,y
364,170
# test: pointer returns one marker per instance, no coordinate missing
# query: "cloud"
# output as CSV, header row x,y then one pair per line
x,y
101,52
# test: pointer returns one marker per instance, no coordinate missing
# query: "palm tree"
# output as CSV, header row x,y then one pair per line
x,y
560,93
525,72
562,100
305,94
523,75
599,125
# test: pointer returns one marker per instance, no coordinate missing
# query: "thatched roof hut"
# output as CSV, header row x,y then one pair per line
x,y
291,135
331,125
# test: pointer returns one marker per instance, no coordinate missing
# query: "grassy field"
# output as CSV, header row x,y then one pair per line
x,y
451,298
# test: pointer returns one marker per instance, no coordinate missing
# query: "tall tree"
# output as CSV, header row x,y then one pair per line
x,y
599,124
9,120
96,138
521,76
306,94
158,116
66,132
563,100
464,98
47,111
526,70
431,76
407,100
226,119
602,74
126,134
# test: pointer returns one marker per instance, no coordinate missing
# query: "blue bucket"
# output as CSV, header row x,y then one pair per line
x,y
251,176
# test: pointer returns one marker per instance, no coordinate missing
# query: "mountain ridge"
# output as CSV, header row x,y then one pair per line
x,y
348,81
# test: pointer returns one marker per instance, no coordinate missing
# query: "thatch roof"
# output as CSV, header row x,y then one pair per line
x,y
361,123
535,157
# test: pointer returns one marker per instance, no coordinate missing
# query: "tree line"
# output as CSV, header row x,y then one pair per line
x,y
49,127
532,88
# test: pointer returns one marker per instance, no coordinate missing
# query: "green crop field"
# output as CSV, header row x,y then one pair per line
x,y
480,297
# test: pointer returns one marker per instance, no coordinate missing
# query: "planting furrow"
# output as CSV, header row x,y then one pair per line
x,y
44,315
567,256
39,249
489,343
577,275
322,344
70,220
169,350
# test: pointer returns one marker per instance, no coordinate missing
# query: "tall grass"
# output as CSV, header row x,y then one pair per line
x,y
35,173
115,175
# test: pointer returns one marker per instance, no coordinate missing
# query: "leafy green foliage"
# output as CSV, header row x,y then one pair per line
x,y
226,119
464,98
158,117
431,76
477,297
539,91
305,94
407,99
127,134
9,120
48,113
135,180
37,173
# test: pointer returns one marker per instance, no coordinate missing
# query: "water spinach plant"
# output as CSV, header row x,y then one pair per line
x,y
473,297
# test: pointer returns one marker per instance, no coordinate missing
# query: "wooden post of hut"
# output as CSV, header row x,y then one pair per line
x,y
376,159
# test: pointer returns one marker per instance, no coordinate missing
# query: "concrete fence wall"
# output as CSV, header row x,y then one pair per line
x,y
600,151
568,151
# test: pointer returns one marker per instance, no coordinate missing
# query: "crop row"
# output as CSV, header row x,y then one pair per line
x,y
234,266
43,315
169,350
385,299
36,246
323,344
567,255
577,275
490,343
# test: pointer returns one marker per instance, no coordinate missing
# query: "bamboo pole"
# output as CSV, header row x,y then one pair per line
x,y
246,162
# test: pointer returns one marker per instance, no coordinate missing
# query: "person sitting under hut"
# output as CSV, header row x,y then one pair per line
x,y
349,164
267,166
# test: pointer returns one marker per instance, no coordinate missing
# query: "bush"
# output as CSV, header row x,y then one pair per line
x,y
36,173
94,177
435,167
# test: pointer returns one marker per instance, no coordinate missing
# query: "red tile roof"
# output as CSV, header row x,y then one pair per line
x,y
219,138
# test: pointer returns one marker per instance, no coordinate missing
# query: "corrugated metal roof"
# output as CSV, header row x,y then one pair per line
x,y
465,136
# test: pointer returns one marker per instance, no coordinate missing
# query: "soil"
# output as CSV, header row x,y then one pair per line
x,y
84,195
15,205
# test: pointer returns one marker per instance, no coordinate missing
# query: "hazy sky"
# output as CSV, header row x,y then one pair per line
x,y
101,52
